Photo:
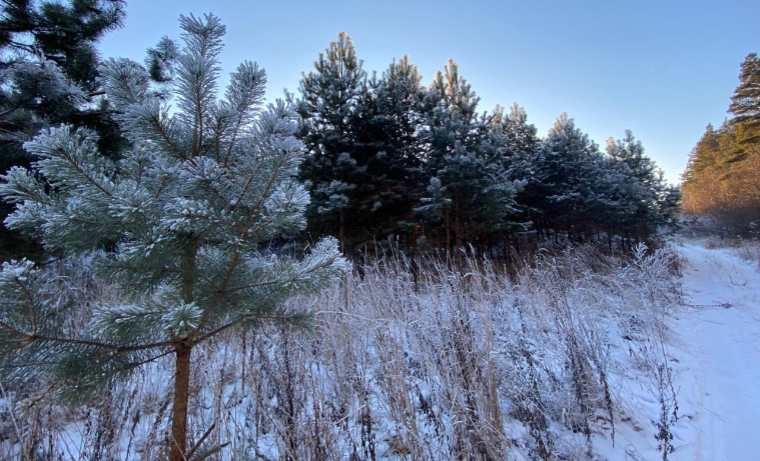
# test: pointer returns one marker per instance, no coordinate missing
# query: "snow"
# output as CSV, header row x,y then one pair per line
x,y
713,347
720,375
709,342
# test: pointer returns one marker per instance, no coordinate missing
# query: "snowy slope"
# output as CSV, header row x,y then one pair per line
x,y
719,355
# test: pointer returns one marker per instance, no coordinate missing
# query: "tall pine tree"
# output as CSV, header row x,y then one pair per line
x,y
646,204
569,177
721,179
329,101
471,189
745,103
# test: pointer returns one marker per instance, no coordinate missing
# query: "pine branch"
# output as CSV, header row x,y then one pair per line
x,y
266,284
217,331
10,111
156,121
89,179
33,337
251,286
238,125
264,194
229,272
152,359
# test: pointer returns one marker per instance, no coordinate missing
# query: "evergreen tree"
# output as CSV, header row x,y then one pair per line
x,y
669,200
450,151
703,191
745,103
501,151
329,98
190,204
62,32
48,69
518,138
519,146
745,108
568,167
647,201
623,196
471,182
386,122
49,66
630,151
721,179
703,156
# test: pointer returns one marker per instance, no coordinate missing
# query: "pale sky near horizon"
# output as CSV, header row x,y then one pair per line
x,y
664,69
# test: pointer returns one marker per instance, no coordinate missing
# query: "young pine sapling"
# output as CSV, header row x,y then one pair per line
x,y
182,216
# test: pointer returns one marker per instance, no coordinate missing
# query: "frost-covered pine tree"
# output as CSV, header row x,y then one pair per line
x,y
48,70
450,154
519,147
652,202
471,188
637,176
182,217
329,98
386,123
570,178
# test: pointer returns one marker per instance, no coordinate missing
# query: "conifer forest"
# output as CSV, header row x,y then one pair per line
x,y
370,266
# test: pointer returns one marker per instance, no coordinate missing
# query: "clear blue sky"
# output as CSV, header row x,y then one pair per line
x,y
663,69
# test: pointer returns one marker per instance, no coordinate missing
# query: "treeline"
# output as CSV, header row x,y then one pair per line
x,y
722,178
388,159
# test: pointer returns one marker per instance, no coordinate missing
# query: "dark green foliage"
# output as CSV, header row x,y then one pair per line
x,y
386,121
48,76
470,162
646,202
568,169
390,159
161,59
330,99
49,67
62,32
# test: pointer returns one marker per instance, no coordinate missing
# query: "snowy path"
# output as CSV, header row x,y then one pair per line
x,y
719,355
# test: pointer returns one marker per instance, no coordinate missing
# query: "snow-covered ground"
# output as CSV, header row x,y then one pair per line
x,y
718,349
383,373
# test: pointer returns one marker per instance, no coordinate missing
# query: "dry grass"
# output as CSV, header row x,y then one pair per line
x,y
445,365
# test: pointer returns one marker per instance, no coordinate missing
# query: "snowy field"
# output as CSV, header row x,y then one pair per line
x,y
579,357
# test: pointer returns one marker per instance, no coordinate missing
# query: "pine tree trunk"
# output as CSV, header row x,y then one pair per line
x,y
448,238
415,269
178,443
179,409
342,234
457,231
